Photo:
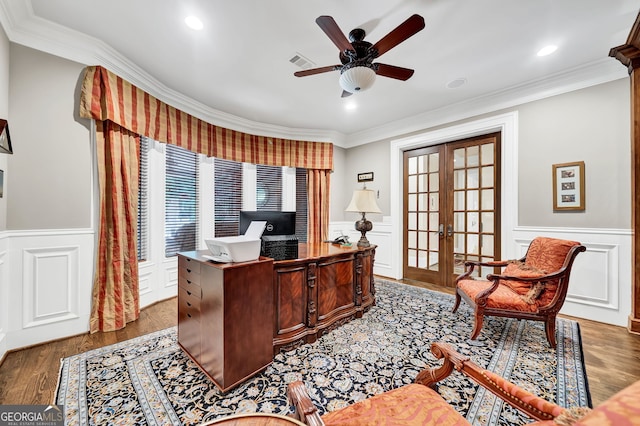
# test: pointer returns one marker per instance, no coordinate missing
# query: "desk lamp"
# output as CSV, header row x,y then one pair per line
x,y
363,201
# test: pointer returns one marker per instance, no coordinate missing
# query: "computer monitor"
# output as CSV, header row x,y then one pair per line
x,y
278,223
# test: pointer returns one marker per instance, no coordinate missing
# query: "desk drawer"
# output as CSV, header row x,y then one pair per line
x,y
189,287
191,267
190,277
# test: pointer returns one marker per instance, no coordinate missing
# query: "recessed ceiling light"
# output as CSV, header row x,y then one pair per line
x,y
349,106
193,22
547,50
453,84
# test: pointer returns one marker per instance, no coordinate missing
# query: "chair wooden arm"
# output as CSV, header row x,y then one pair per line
x,y
304,410
534,406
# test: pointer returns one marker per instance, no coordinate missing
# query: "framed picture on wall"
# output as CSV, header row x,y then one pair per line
x,y
568,186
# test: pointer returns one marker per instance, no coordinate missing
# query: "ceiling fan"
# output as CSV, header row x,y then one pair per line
x,y
358,71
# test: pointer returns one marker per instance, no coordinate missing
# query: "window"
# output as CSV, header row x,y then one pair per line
x,y
301,204
268,188
181,200
227,197
143,191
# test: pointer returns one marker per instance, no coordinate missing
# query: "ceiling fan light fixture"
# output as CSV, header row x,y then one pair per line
x,y
357,79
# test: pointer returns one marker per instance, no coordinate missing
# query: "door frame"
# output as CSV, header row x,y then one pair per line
x,y
507,125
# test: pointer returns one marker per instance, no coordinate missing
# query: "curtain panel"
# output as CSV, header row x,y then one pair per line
x,y
123,113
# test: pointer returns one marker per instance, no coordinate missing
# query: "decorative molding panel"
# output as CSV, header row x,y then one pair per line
x,y
50,285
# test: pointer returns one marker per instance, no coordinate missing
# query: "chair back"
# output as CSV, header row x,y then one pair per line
x,y
551,255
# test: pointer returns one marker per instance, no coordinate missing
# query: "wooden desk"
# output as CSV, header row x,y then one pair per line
x,y
234,317
326,286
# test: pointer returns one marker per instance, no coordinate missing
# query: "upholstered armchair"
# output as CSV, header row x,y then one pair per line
x,y
532,288
419,404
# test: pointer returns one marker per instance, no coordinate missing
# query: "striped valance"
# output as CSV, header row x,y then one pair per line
x,y
105,96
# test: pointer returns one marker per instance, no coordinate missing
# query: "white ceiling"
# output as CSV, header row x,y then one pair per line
x,y
236,71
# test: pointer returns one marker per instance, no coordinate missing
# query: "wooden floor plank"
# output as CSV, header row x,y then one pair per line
x,y
29,376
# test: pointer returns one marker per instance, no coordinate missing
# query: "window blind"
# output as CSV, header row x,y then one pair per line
x,y
227,197
143,195
181,200
269,188
301,204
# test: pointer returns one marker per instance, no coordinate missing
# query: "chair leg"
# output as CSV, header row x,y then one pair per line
x,y
455,305
550,328
478,325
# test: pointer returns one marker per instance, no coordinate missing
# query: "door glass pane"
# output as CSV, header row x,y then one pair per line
x,y
487,199
413,221
412,202
423,183
473,222
472,244
487,176
422,240
422,221
412,258
473,180
412,184
423,202
434,181
434,160
422,164
458,200
487,245
422,259
472,200
412,237
434,221
434,242
433,260
433,202
412,165
459,179
486,154
458,158
473,154
458,243
487,222
458,222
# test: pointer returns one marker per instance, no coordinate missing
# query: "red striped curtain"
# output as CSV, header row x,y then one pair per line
x,y
123,112
115,288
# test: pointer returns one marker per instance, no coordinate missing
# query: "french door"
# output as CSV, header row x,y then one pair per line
x,y
451,208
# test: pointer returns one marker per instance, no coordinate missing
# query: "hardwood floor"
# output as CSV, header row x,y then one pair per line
x,y
29,376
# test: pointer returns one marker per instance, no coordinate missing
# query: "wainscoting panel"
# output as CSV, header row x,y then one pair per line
x,y
600,283
51,276
50,280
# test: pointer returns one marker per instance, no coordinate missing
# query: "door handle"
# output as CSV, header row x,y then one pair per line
x,y
449,230
441,230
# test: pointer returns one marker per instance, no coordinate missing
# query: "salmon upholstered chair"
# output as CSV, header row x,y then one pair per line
x,y
419,404
532,288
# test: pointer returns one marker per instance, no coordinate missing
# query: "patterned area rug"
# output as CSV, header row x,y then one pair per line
x,y
150,381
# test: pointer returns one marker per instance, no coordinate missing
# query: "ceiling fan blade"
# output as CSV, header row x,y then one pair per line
x,y
346,94
402,32
313,71
392,71
333,31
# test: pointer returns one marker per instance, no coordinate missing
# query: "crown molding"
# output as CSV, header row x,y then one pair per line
x,y
598,72
23,27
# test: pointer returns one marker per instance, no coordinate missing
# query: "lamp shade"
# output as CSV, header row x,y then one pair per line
x,y
363,201
356,79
